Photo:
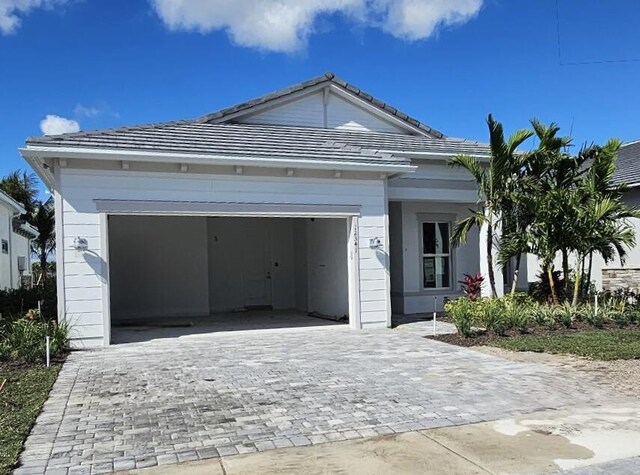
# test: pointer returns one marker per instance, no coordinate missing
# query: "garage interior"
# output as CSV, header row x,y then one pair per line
x,y
177,275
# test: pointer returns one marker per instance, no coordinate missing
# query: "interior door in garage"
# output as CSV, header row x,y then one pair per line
x,y
256,264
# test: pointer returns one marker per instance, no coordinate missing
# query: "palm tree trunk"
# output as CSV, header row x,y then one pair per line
x,y
43,265
516,273
492,277
577,284
583,281
588,280
565,271
552,284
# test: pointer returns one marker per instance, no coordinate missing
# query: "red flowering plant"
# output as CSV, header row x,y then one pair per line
x,y
472,286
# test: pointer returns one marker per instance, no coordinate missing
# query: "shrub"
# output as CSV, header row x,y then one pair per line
x,y
491,314
565,314
541,290
15,302
472,286
24,339
462,313
633,315
620,318
519,317
595,319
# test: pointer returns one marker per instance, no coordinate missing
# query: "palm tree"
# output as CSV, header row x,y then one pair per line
x,y
602,226
492,182
43,219
22,187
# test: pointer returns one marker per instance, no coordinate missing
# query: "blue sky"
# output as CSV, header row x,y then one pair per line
x,y
124,62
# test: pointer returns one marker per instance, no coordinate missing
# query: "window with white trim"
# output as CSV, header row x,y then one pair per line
x,y
436,255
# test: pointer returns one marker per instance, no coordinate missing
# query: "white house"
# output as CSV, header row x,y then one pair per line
x,y
15,242
318,197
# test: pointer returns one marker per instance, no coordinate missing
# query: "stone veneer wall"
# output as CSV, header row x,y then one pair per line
x,y
620,278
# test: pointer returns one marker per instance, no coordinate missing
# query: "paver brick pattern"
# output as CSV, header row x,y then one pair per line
x,y
183,399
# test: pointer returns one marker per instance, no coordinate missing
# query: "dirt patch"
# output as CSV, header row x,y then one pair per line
x,y
621,375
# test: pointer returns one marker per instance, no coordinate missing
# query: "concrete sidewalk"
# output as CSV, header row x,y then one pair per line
x,y
578,441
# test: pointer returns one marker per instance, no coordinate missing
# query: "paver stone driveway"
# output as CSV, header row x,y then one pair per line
x,y
173,400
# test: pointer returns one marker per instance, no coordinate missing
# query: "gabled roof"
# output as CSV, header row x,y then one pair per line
x,y
327,78
264,141
628,165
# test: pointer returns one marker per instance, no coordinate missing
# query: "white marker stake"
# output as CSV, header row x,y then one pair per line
x,y
47,340
435,304
596,305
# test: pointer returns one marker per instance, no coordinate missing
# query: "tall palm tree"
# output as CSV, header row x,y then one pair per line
x,y
492,182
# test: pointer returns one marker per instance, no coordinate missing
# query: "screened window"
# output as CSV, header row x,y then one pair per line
x,y
436,255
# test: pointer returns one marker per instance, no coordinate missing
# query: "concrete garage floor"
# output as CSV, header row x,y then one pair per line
x,y
314,390
175,327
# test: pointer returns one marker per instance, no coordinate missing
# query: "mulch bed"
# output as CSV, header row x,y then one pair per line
x,y
483,338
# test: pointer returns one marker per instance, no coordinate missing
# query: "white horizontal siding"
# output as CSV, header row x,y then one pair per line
x,y
84,272
307,112
342,114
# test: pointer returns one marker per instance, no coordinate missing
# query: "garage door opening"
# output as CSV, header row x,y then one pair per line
x,y
178,275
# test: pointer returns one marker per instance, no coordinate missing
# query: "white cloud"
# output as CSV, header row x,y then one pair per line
x,y
418,19
285,25
84,111
12,11
54,125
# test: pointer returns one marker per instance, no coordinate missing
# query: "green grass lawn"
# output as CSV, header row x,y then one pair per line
x,y
21,399
597,345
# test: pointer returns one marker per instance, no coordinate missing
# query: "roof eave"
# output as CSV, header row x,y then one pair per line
x,y
35,154
17,208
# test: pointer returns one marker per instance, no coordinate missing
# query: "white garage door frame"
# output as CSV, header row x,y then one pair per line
x,y
351,215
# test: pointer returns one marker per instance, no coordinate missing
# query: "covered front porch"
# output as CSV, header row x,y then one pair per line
x,y
425,269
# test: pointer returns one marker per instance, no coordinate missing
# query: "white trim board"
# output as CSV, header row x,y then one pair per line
x,y
225,209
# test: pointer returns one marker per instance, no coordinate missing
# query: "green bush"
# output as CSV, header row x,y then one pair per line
x,y
633,315
620,318
594,319
23,339
492,315
565,314
540,313
15,302
519,317
462,313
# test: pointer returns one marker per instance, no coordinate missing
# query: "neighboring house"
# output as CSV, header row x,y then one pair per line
x,y
15,242
318,197
612,275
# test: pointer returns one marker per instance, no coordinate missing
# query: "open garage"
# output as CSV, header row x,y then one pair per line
x,y
176,275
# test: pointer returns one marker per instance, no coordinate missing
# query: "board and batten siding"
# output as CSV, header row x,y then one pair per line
x,y
84,273
308,111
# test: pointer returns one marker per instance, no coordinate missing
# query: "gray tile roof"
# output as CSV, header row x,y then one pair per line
x,y
628,164
263,141
325,78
